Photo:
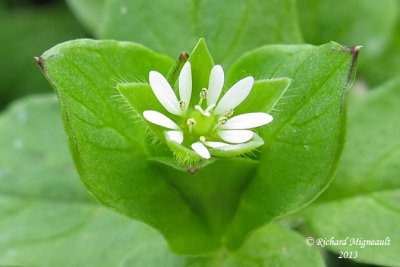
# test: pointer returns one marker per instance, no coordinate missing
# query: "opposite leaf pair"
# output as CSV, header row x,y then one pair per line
x,y
226,198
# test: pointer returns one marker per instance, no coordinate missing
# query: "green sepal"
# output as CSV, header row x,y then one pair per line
x,y
202,64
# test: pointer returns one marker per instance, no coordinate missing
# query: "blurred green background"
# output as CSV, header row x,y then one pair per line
x,y
27,28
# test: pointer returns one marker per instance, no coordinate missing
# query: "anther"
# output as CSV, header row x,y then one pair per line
x,y
222,120
203,93
202,139
228,113
182,104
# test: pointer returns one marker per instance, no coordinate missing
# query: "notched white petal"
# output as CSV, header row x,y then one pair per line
x,y
235,95
233,150
247,121
159,119
204,112
215,144
215,85
236,136
185,83
200,149
176,136
164,93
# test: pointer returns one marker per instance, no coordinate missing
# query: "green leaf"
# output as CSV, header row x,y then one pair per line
x,y
304,142
274,245
230,27
370,217
371,155
346,23
139,181
369,165
33,154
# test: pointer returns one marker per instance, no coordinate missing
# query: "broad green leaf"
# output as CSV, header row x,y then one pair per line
x,y
304,142
368,23
274,245
103,129
370,161
370,217
19,75
170,27
34,152
45,222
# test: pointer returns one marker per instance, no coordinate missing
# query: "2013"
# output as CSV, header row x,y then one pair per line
x,y
348,254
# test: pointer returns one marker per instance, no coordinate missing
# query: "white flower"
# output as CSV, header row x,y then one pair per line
x,y
210,127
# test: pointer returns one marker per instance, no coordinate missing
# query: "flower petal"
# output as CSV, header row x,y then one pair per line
x,y
236,136
159,119
204,112
176,136
185,83
215,144
235,95
233,150
247,121
215,84
200,149
164,92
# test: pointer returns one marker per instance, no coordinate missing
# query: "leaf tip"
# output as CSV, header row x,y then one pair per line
x,y
39,61
183,56
354,50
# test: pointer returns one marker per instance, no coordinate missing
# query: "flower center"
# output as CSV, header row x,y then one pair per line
x,y
203,125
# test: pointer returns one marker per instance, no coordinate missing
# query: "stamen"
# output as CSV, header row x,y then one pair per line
x,y
228,113
190,122
202,139
203,95
222,120
182,104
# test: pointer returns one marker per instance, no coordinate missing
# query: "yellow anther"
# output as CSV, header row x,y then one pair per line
x,y
228,113
222,120
203,93
182,104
